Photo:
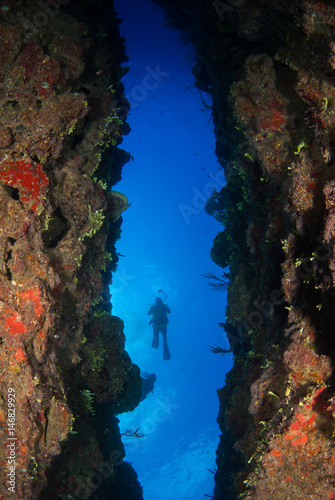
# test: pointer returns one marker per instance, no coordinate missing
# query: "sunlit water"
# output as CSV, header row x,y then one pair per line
x,y
166,241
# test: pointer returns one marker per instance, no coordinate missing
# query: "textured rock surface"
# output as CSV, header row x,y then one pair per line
x,y
269,67
63,365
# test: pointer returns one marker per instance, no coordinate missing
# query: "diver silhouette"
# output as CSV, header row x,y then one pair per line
x,y
159,323
148,382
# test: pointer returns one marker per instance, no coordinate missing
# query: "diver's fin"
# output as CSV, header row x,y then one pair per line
x,y
166,352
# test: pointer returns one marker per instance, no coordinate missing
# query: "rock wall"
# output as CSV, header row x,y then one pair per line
x,y
64,371
270,69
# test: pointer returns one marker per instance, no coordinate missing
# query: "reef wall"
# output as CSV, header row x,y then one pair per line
x,y
64,371
269,67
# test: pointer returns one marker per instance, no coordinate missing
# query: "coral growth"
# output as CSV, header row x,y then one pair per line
x,y
63,364
269,69
28,178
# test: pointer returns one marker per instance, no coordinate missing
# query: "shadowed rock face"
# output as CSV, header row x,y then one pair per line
x,y
269,67
63,365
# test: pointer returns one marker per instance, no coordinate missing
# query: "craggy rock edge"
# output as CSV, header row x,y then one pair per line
x,y
269,68
64,371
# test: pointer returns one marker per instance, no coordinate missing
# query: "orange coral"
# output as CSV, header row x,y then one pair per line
x,y
33,295
28,178
14,325
275,119
20,355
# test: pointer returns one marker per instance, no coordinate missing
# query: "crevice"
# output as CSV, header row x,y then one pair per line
x,y
13,192
7,259
58,227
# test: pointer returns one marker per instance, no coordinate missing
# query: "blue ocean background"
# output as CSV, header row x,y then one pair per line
x,y
165,244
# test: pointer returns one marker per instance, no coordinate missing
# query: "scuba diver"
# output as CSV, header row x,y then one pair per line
x,y
159,322
147,384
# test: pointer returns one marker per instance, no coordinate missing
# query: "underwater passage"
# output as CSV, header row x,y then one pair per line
x,y
269,69
172,145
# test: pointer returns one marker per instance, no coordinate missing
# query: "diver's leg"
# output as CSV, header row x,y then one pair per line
x,y
166,352
155,338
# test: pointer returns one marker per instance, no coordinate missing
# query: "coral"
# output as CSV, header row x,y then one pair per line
x,y
239,299
304,365
262,110
120,204
269,70
95,221
29,179
108,371
220,250
59,122
88,399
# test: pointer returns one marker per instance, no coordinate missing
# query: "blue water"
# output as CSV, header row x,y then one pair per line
x,y
166,241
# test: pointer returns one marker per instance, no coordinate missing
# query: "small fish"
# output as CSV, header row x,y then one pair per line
x,y
99,72
196,154
202,168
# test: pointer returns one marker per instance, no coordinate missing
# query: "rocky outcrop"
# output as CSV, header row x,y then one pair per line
x,y
269,67
63,365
